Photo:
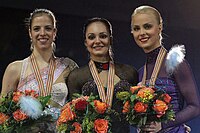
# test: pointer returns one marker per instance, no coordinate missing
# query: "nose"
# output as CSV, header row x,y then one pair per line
x,y
97,40
42,32
142,31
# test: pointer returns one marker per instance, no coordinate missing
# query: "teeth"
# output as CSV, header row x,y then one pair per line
x,y
43,40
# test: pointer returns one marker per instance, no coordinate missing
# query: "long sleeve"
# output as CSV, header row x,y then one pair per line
x,y
187,86
72,84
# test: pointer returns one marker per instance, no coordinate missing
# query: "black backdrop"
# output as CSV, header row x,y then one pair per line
x,y
181,26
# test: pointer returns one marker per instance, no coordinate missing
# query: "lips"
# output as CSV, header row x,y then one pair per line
x,y
43,40
144,39
97,47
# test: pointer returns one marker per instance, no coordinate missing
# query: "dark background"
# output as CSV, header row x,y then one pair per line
x,y
181,26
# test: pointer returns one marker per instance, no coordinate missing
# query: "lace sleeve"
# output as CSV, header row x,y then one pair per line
x,y
69,62
73,84
188,89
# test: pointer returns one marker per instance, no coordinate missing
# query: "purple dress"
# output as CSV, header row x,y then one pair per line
x,y
181,86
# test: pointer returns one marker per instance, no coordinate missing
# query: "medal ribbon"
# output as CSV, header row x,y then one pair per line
x,y
43,91
156,69
108,96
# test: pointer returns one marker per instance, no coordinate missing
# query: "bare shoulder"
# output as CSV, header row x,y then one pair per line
x,y
11,77
14,67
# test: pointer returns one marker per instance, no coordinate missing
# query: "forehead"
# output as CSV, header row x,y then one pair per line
x,y
42,19
142,18
96,27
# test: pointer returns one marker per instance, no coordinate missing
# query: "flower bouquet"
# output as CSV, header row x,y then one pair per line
x,y
144,104
19,109
84,114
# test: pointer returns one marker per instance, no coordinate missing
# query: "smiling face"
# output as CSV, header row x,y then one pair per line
x,y
42,32
97,40
146,31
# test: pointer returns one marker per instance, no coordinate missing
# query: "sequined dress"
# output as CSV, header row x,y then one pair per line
x,y
59,91
81,81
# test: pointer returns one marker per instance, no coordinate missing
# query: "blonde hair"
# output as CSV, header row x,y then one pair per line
x,y
147,10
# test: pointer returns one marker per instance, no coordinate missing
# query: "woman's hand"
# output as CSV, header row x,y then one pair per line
x,y
152,127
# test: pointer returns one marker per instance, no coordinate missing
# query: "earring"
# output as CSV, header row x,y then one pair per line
x,y
110,52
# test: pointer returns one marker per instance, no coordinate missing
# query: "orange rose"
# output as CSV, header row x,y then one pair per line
x,y
166,98
135,88
66,106
126,107
100,107
18,115
146,93
140,107
101,125
31,93
78,128
66,115
160,107
17,95
3,118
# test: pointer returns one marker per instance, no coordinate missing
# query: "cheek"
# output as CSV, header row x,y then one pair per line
x,y
88,43
135,36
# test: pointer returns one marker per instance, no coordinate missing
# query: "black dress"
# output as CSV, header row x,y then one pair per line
x,y
81,81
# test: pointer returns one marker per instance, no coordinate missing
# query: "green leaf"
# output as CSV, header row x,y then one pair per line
x,y
133,97
44,100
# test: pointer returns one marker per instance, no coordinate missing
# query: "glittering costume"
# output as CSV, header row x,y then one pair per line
x,y
81,81
176,85
59,91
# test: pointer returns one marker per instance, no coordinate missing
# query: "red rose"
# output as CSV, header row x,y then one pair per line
x,y
81,104
140,107
101,125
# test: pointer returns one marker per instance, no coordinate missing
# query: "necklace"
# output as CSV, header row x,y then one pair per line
x,y
156,69
104,96
43,91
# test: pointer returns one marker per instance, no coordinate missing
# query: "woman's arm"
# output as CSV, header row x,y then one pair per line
x,y
73,83
188,89
11,77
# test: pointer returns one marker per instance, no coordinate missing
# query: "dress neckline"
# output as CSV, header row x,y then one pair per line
x,y
152,56
101,66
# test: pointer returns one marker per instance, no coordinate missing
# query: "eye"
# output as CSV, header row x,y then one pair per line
x,y
49,28
148,26
91,37
136,28
103,36
36,29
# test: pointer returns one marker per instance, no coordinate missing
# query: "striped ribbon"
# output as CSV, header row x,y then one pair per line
x,y
108,96
49,82
156,69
